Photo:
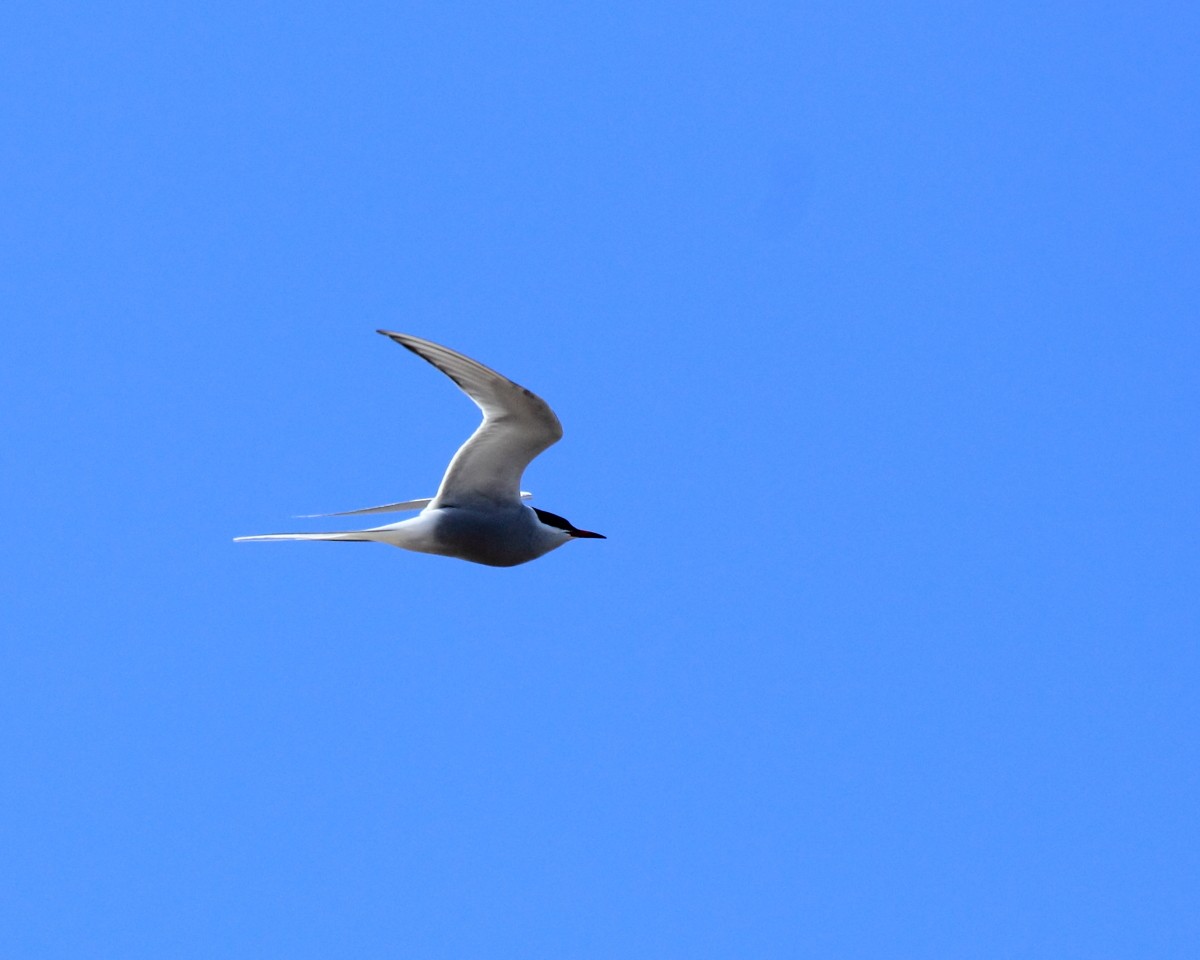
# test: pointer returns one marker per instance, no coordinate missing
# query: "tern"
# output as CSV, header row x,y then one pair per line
x,y
478,513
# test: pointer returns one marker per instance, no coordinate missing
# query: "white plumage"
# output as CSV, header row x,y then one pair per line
x,y
478,513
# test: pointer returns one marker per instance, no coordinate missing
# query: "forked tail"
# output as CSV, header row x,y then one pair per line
x,y
349,536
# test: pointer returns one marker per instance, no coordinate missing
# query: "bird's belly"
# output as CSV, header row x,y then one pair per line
x,y
494,541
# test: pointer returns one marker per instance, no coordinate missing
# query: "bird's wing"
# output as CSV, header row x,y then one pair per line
x,y
386,508
517,426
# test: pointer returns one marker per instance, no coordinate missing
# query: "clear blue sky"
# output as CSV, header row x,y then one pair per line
x,y
874,333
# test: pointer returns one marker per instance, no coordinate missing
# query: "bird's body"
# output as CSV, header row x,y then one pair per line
x,y
478,513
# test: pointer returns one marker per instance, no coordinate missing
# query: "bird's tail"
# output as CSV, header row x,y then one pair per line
x,y
349,536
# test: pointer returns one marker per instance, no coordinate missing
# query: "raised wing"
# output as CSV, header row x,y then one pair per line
x,y
517,426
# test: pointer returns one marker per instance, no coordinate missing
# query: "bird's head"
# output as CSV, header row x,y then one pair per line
x,y
568,530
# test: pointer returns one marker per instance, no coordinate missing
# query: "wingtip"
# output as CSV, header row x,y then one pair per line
x,y
400,338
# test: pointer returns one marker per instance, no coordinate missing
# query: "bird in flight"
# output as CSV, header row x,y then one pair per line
x,y
478,513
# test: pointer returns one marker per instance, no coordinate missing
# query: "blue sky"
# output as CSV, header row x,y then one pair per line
x,y
873,332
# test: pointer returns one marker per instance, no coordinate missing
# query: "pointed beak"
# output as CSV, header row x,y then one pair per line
x,y
587,534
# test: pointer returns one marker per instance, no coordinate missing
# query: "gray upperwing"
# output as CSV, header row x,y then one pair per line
x,y
386,508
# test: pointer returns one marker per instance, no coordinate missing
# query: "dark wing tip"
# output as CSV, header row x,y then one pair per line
x,y
401,339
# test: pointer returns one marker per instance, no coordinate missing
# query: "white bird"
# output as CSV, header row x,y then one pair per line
x,y
477,514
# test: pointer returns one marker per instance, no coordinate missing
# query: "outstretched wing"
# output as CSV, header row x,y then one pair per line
x,y
386,508
517,426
